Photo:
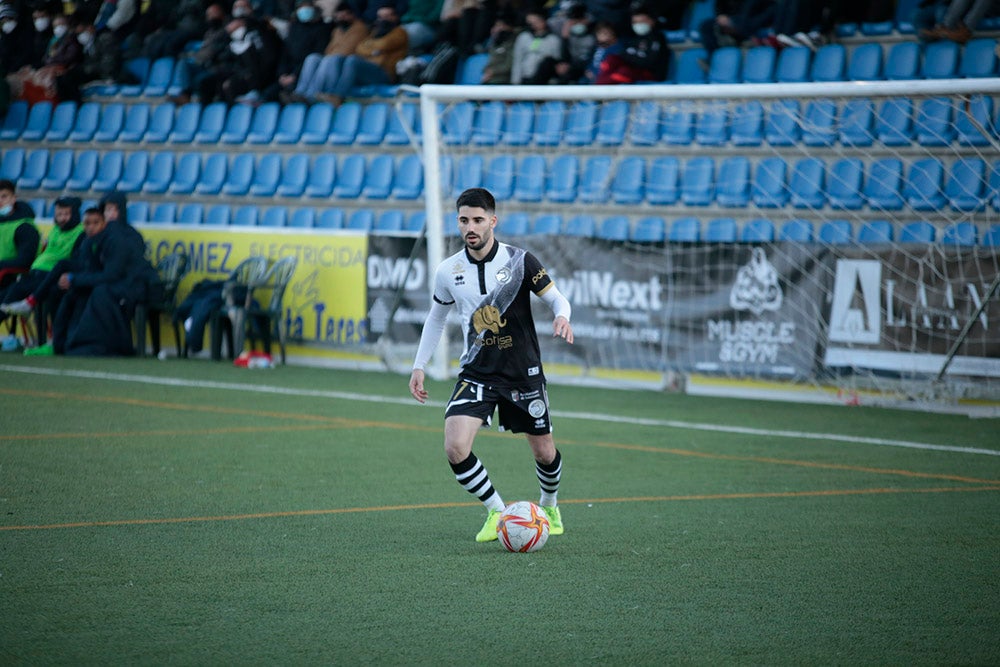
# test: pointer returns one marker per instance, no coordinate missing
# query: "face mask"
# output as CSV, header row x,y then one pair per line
x,y
305,14
382,27
59,30
641,29
42,24
85,38
239,34
9,26
240,12
578,29
5,210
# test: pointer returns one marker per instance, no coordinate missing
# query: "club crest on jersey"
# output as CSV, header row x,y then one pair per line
x,y
503,275
488,317
458,268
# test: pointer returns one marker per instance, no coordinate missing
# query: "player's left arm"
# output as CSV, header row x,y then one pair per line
x,y
541,284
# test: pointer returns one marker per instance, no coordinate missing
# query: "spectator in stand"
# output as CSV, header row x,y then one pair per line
x,y
468,24
319,71
69,83
64,53
608,46
202,64
536,50
615,12
246,68
19,238
735,21
374,61
500,49
16,40
579,44
645,54
960,19
327,9
307,35
115,21
796,23
169,26
41,36
421,22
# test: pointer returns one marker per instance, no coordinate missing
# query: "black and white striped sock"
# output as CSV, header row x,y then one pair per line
x,y
473,477
548,479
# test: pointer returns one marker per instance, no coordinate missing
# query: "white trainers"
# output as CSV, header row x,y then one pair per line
x,y
16,308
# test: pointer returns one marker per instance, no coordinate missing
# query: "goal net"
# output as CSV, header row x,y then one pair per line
x,y
826,241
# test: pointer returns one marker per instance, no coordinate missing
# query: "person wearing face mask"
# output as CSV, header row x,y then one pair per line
x,y
579,43
248,65
63,54
201,63
500,49
307,35
41,23
536,50
646,54
16,40
317,69
19,238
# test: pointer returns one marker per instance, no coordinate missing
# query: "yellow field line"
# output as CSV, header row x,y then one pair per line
x,y
424,506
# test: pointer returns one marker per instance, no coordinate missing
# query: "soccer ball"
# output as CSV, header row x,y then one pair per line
x,y
523,527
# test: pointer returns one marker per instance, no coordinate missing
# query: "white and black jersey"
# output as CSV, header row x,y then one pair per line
x,y
493,300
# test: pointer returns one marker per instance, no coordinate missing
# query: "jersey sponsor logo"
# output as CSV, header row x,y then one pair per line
x,y
503,275
538,276
536,408
488,317
534,370
756,288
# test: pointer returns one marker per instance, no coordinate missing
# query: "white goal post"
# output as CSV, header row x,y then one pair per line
x,y
945,342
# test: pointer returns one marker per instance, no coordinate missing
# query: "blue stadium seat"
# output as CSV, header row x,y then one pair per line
x,y
650,229
137,70
180,81
373,125
190,214
161,74
264,123
857,122
698,182
315,127
883,189
843,184
186,173
15,120
924,188
404,121
302,218
245,216
60,169
733,187
361,220
12,164
456,123
409,181
470,70
468,174
581,124
351,178
991,239
933,125
330,218
379,175
133,173
685,230
724,65
758,65
322,176
580,225
894,125
747,124
866,62
768,189
345,124
109,171
62,121
782,125
236,125
487,124
689,71
138,211
549,223
595,180
36,166
562,178
216,174
266,175
498,177
979,59
39,117
820,125
39,207
88,117
969,130
154,174
293,176
836,232
662,188
962,233
875,231
518,122
416,221
917,232
529,179
678,125
612,119
515,224
940,60
615,228
217,214
389,221
903,61
165,213
904,16
135,125
628,184
83,173
829,63
712,125
212,122
806,184
798,230
644,130
758,230
721,230
275,216
793,65
289,126
186,123
965,185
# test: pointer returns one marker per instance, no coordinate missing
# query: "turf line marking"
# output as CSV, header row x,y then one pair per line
x,y
615,419
424,506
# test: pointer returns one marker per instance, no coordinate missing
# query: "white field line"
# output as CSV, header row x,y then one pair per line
x,y
616,419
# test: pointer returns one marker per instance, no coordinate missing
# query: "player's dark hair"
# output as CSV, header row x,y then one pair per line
x,y
477,198
93,210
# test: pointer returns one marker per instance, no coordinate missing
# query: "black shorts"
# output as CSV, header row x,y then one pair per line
x,y
524,410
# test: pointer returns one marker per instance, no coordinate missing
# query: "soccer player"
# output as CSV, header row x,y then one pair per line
x,y
491,283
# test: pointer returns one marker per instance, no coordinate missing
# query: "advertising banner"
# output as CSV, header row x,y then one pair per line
x,y
397,277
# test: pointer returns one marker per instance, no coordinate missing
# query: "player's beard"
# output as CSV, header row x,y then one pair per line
x,y
484,240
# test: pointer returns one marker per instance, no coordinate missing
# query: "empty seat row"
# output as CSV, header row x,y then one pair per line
x,y
194,213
